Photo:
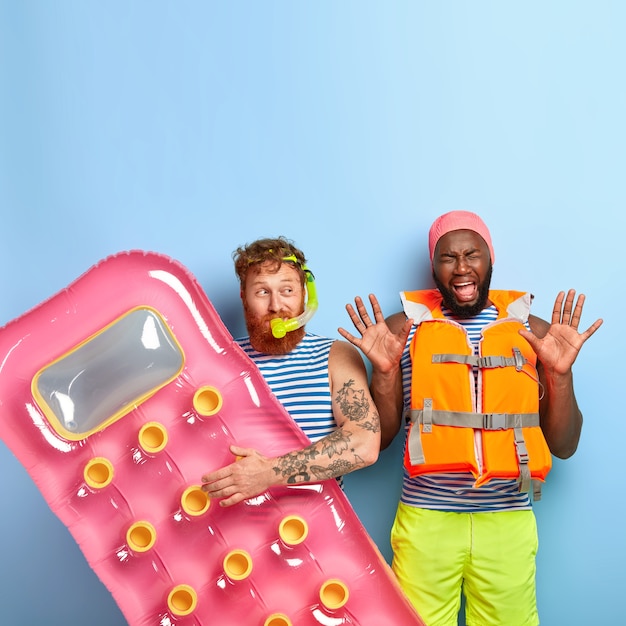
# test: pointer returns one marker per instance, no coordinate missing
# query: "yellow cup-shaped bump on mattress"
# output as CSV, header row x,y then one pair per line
x,y
293,530
237,564
152,437
334,594
141,536
207,400
98,472
182,600
194,501
277,619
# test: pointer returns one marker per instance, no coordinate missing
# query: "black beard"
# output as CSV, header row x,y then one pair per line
x,y
465,311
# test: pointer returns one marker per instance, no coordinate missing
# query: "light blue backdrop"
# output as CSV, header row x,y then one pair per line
x,y
189,128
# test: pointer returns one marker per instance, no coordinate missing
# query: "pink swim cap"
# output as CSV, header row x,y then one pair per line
x,y
458,220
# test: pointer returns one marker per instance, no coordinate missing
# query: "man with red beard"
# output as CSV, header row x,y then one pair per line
x,y
488,396
321,382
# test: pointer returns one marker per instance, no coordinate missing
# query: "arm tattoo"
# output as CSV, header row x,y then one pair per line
x,y
298,467
356,407
294,466
336,468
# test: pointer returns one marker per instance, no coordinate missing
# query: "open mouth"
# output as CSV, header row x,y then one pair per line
x,y
465,292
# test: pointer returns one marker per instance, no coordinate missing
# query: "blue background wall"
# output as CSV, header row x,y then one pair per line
x,y
189,128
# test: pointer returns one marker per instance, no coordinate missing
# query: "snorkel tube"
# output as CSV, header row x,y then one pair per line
x,y
281,327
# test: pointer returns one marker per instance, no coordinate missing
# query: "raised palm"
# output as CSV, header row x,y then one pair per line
x,y
380,344
558,347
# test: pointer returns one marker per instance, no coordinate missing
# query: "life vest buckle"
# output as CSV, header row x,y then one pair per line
x,y
519,359
494,421
490,362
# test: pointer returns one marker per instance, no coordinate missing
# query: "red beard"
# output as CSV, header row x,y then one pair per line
x,y
261,337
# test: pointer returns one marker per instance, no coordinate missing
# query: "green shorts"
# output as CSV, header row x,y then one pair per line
x,y
490,556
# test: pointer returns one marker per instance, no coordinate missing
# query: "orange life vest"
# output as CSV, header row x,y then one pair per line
x,y
488,426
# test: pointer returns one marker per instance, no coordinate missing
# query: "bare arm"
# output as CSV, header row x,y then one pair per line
x,y
382,341
557,346
353,445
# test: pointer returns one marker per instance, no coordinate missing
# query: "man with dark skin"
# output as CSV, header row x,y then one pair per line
x,y
455,531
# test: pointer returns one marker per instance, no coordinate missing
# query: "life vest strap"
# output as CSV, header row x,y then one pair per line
x,y
416,451
522,459
484,362
484,421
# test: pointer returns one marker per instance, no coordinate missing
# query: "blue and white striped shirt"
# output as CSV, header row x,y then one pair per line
x,y
300,382
455,491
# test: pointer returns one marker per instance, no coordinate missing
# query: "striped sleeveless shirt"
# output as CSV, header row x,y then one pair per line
x,y
454,492
300,382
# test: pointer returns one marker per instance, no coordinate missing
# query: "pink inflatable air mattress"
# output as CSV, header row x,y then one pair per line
x,y
116,395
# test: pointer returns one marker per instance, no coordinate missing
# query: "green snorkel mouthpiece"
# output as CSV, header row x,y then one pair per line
x,y
281,327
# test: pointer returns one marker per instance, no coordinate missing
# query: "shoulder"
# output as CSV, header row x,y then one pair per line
x,y
538,326
343,355
343,350
315,343
396,321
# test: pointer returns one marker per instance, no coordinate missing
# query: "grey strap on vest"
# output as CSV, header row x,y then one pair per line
x,y
522,459
484,362
416,451
483,421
